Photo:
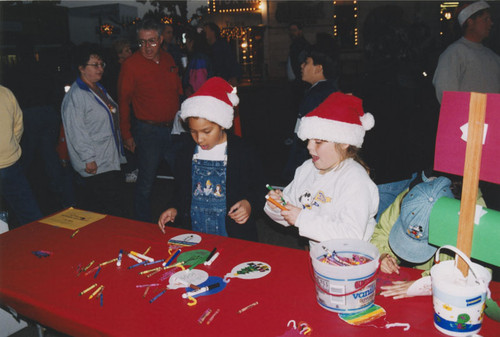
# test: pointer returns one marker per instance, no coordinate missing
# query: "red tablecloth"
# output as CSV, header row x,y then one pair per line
x,y
47,289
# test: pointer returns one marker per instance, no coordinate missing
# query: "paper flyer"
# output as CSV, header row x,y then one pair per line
x,y
72,218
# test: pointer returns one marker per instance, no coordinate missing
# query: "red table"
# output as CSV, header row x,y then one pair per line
x,y
47,289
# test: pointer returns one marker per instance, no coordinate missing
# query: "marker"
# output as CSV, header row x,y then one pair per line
x,y
74,233
165,264
275,203
147,285
209,262
211,254
101,299
272,189
136,259
88,289
247,307
97,272
154,262
204,315
138,264
119,261
142,256
150,271
200,291
108,262
156,297
213,316
95,292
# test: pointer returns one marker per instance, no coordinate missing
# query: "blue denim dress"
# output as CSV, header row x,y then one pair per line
x,y
208,205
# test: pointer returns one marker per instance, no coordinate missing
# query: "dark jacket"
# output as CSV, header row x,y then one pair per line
x,y
315,95
243,172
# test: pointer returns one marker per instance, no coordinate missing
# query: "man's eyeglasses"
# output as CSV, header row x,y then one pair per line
x,y
97,65
151,42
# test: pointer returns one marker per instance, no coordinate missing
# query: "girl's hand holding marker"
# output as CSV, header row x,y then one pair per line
x,y
275,200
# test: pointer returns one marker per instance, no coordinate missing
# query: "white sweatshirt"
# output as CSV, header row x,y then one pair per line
x,y
339,204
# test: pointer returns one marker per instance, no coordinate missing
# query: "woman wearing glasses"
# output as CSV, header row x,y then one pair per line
x,y
91,123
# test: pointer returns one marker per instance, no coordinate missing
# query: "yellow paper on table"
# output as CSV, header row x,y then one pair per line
x,y
72,218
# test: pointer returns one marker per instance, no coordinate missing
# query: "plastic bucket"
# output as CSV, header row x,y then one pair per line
x,y
458,301
345,289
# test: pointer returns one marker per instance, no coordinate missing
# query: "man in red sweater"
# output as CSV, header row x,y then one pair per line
x,y
148,82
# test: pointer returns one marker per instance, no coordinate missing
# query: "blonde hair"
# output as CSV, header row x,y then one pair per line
x,y
351,152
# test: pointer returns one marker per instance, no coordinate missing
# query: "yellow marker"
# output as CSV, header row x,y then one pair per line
x,y
74,233
178,264
96,291
108,262
147,251
88,266
149,270
88,289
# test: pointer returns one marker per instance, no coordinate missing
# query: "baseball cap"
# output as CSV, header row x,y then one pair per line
x,y
409,237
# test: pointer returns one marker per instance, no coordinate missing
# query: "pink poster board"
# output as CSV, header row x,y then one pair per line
x,y
450,147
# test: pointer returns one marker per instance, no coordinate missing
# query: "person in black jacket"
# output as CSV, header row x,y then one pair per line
x,y
217,174
320,70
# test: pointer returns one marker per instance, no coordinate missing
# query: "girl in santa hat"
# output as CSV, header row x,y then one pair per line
x,y
331,195
214,157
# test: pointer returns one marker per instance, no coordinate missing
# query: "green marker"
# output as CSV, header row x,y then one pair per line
x,y
272,189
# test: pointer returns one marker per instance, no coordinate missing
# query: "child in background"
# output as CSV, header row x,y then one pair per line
x,y
217,175
331,195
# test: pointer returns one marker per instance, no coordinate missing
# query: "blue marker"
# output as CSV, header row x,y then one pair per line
x,y
119,261
156,297
143,263
154,262
172,258
97,272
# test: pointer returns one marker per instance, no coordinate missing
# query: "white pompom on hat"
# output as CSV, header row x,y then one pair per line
x,y
214,100
470,10
339,119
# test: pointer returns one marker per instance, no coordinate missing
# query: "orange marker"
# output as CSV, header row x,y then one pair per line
x,y
277,204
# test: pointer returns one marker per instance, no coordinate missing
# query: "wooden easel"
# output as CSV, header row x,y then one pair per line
x,y
477,113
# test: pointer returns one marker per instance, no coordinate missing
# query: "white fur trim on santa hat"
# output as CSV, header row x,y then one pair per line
x,y
210,108
331,131
367,121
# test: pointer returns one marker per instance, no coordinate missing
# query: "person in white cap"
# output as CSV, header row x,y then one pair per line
x,y
217,175
331,195
467,65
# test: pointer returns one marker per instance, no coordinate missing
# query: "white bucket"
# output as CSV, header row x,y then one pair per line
x,y
458,301
345,289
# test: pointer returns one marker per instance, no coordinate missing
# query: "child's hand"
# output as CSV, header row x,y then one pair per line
x,y
398,289
292,214
388,264
240,212
167,216
276,195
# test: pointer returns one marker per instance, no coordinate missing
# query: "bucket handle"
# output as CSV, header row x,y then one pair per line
x,y
364,283
467,260
459,253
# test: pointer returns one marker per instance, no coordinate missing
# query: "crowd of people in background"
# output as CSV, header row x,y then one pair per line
x,y
122,117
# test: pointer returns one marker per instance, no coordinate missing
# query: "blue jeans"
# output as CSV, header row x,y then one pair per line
x,y
388,193
18,194
153,144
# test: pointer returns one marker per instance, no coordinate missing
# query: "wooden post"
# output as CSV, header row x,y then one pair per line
x,y
477,112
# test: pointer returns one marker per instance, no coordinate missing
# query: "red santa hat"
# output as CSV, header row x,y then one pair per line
x,y
339,119
214,101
